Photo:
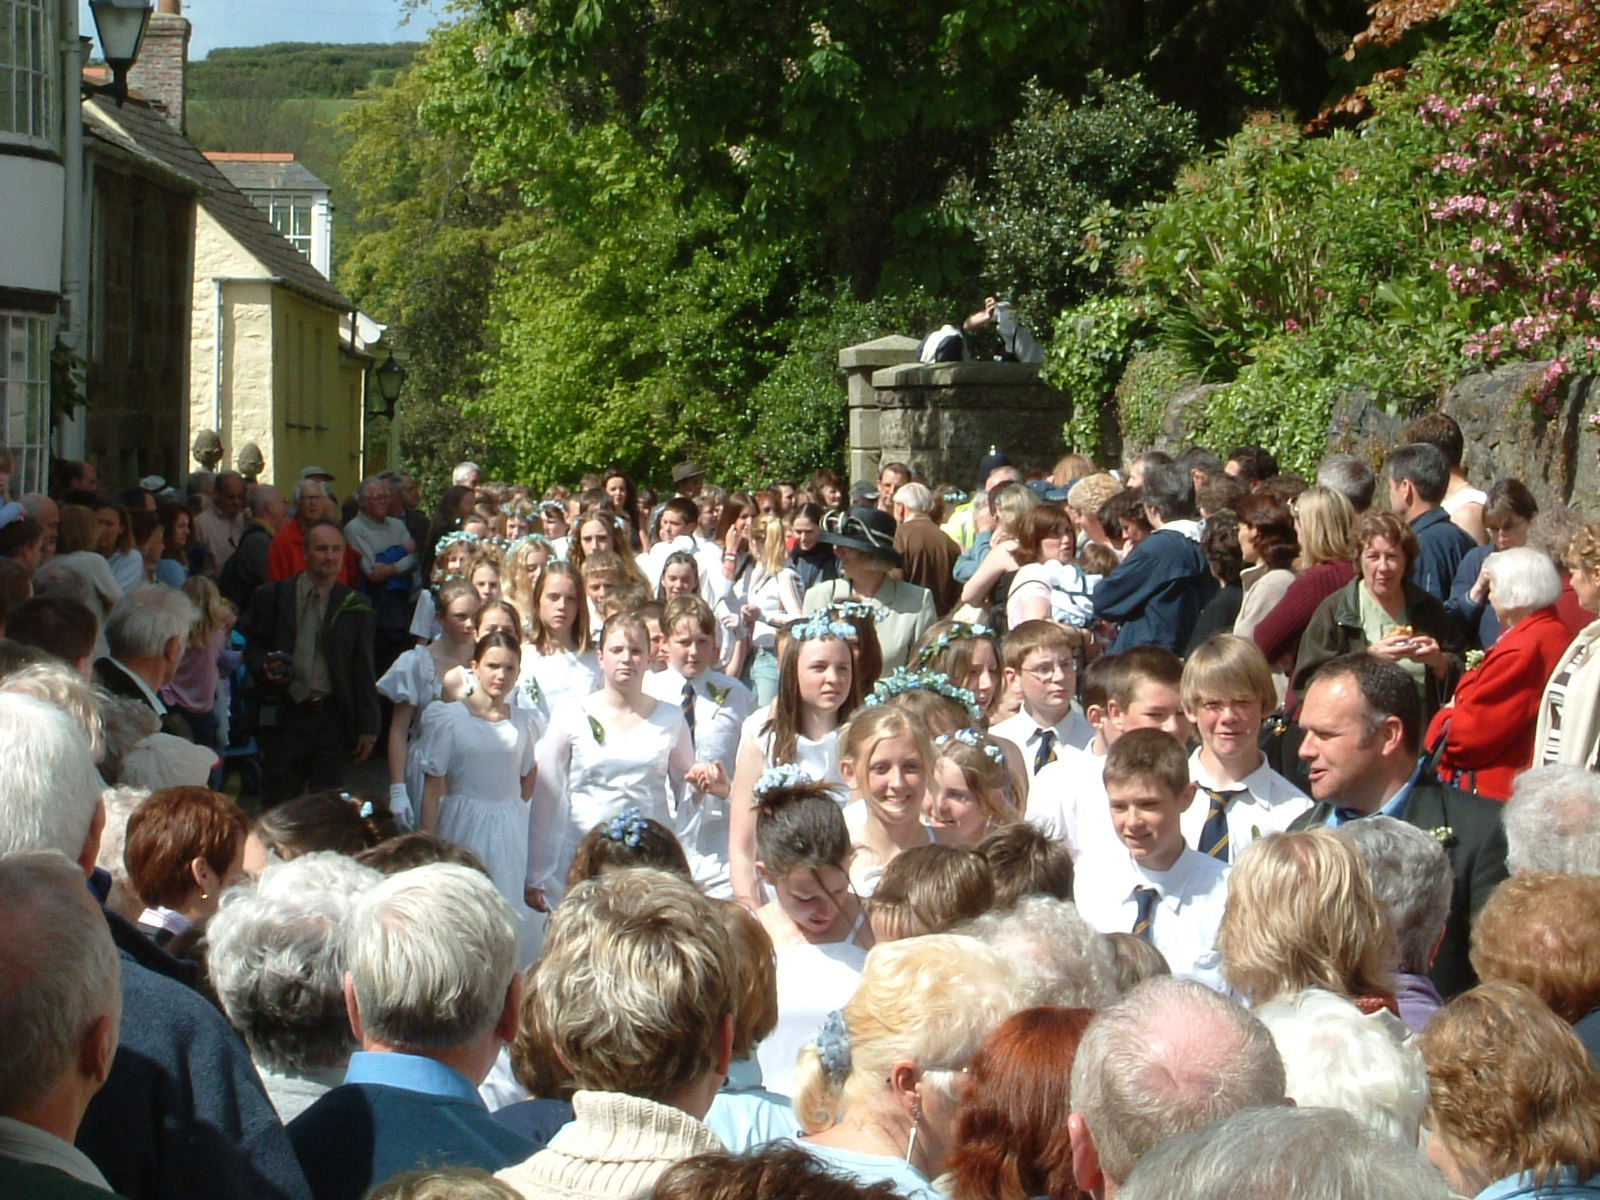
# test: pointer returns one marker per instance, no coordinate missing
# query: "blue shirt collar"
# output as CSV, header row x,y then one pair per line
x,y
412,1072
1394,807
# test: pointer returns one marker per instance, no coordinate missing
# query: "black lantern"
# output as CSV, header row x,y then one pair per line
x,y
120,26
390,378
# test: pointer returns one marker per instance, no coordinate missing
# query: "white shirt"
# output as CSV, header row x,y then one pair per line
x,y
1022,731
1267,803
1193,894
722,705
1067,801
30,1144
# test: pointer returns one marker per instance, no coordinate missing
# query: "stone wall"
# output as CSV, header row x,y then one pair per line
x,y
1505,434
943,417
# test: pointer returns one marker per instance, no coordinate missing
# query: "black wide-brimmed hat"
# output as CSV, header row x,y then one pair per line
x,y
870,530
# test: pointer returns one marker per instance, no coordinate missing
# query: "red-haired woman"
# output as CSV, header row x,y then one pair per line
x,y
184,846
1011,1136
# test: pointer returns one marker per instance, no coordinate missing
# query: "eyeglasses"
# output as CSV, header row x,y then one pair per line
x,y
1044,672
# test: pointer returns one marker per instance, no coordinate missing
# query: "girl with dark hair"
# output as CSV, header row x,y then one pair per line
x,y
625,499
816,921
1270,547
812,559
818,689
478,756
629,839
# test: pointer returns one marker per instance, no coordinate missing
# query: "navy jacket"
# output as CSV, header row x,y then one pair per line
x,y
183,1113
1157,592
1442,545
361,1134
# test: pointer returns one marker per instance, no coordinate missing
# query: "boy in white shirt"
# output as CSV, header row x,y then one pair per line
x,y
1040,664
1227,689
715,706
1158,888
1068,799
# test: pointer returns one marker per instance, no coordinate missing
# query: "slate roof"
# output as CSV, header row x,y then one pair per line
x,y
266,173
138,128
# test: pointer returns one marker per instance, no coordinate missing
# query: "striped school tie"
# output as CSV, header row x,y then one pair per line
x,y
1145,899
1214,833
1046,753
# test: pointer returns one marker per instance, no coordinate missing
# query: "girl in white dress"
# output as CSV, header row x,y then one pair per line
x,y
884,757
766,597
612,750
525,561
817,691
817,923
558,662
449,563
418,678
479,755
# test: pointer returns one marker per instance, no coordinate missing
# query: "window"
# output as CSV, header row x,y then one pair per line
x,y
290,214
25,389
30,70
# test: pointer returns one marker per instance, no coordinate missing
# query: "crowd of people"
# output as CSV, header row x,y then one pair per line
x,y
1186,828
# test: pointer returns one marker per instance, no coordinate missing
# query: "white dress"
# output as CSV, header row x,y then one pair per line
x,y
414,680
589,773
483,763
1064,584
813,980
550,682
818,756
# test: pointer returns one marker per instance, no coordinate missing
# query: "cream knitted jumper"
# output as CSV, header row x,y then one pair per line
x,y
616,1146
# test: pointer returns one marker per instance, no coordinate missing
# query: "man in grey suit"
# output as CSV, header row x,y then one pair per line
x,y
1362,719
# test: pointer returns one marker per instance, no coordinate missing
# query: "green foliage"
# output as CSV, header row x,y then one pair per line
x,y
295,70
797,414
1063,174
1089,354
1153,377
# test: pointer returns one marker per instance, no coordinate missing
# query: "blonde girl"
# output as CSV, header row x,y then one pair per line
x,y
558,660
525,560
884,759
419,677
483,571
818,689
766,598
966,653
970,791
449,562
609,751
194,686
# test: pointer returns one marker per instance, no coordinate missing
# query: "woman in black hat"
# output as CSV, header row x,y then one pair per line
x,y
863,538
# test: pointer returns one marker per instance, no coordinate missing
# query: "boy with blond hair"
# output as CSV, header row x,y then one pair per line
x,y
1227,689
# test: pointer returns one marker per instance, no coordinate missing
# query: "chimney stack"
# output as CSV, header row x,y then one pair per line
x,y
163,61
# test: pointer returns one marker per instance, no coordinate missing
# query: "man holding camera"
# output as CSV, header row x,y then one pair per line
x,y
310,651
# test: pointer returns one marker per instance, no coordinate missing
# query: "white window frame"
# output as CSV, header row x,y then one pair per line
x,y
30,73
25,343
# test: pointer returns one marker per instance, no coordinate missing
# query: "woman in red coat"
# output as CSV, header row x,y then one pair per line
x,y
1488,727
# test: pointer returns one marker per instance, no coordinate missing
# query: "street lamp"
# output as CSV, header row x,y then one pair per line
x,y
120,25
390,378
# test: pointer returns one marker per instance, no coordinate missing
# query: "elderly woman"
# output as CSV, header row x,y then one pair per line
x,y
183,847
276,961
1302,914
863,538
1011,1127
1386,615
1270,546
1537,929
1487,728
1569,711
876,1092
1513,1104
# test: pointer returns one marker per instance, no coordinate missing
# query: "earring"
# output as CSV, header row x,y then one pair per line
x,y
205,895
916,1123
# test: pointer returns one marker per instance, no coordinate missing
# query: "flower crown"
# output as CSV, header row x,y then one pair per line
x,y
451,539
960,631
902,681
784,775
853,610
628,827
821,625
530,539
974,738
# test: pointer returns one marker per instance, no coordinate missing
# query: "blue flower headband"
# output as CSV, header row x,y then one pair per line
x,y
902,681
530,539
784,775
955,496
974,738
833,1046
451,539
821,625
854,610
628,827
960,631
